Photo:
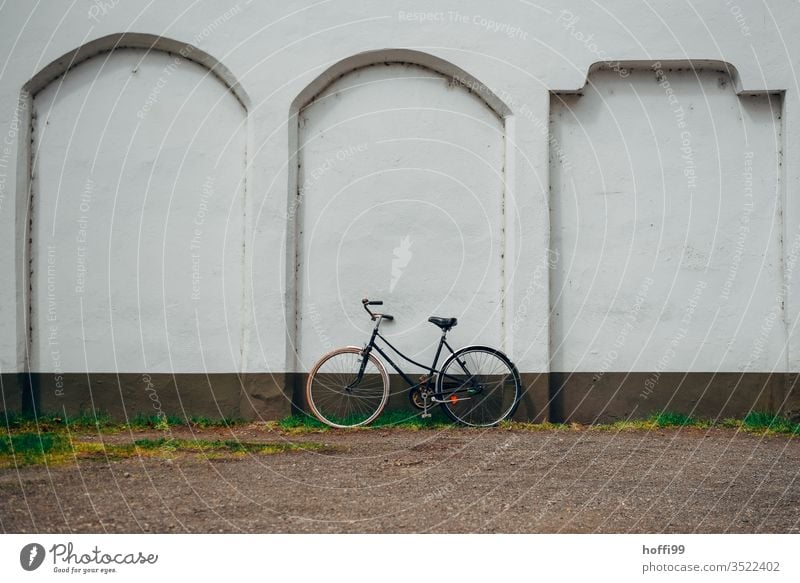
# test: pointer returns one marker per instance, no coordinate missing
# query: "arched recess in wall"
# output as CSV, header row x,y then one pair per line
x,y
398,195
135,210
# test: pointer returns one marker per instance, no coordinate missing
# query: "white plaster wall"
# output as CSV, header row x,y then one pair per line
x,y
275,51
137,218
666,211
400,199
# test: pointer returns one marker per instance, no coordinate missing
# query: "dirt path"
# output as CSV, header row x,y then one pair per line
x,y
457,480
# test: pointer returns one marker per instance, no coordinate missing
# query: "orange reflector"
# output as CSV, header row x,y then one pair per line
x,y
453,399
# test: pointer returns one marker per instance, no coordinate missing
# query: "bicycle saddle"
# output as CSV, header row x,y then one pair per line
x,y
443,323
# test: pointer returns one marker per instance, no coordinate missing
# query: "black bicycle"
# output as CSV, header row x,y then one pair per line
x,y
477,385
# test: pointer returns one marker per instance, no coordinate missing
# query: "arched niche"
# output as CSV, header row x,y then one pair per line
x,y
398,195
133,246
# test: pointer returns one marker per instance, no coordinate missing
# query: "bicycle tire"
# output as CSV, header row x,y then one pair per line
x,y
493,377
329,396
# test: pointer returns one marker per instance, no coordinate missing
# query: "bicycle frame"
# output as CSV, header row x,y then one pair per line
x,y
411,384
473,385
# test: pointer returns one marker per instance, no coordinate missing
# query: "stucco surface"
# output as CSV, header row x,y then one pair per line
x,y
137,218
460,149
401,178
666,209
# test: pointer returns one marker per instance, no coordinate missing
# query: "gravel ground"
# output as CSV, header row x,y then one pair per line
x,y
456,480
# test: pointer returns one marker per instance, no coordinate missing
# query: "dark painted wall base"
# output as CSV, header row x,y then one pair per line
x,y
601,398
230,395
558,397
11,386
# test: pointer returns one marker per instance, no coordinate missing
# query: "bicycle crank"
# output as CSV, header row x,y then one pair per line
x,y
421,399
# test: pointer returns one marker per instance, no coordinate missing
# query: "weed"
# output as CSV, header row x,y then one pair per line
x,y
762,422
94,421
29,447
669,419
301,424
53,422
55,449
158,421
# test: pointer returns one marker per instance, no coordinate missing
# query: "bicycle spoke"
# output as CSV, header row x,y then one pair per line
x,y
488,391
338,398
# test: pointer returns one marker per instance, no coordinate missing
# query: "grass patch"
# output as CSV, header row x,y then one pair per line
x,y
90,422
754,422
301,424
764,423
141,421
54,422
29,448
166,421
31,440
26,449
413,420
657,420
669,419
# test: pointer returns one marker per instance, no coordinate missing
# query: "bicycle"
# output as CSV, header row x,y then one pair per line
x,y
477,385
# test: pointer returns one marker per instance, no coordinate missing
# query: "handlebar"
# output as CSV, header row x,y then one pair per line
x,y
373,316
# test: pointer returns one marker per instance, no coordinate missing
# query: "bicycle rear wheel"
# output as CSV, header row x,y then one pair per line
x,y
479,386
336,396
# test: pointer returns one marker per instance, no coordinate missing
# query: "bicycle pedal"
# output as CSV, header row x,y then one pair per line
x,y
425,415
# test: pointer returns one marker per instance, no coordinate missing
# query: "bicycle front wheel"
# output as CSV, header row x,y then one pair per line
x,y
479,386
335,394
